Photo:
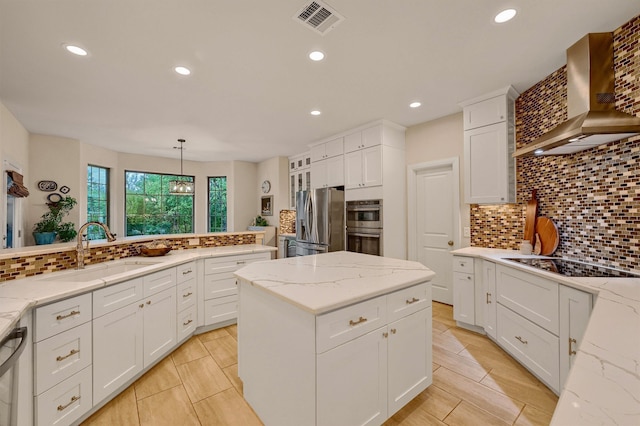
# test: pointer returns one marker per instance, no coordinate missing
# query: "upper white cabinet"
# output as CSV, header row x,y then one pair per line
x,y
299,176
363,168
328,173
363,139
489,141
325,150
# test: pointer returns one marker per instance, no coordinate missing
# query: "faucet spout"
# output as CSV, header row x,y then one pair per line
x,y
80,251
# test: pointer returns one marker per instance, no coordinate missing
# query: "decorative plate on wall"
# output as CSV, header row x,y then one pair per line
x,y
65,189
47,185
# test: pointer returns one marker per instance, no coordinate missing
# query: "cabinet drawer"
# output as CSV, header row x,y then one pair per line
x,y
231,263
463,264
186,295
219,285
116,296
407,301
61,316
185,272
533,297
534,347
61,356
345,324
220,309
159,281
65,402
187,323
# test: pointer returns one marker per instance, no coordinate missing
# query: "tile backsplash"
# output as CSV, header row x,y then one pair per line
x,y
287,221
593,196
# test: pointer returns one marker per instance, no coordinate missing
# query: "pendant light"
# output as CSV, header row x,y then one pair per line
x,y
181,186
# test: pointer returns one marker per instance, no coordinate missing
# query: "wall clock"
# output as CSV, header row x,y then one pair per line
x,y
266,186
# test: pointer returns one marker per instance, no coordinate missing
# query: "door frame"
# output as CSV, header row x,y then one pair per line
x,y
18,220
412,175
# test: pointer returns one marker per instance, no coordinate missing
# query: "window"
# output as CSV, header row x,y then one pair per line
x,y
97,200
218,204
150,209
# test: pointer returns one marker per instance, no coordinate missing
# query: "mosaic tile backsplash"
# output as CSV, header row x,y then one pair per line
x,y
287,221
27,266
593,196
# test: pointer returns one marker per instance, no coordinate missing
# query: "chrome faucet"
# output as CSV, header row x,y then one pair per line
x,y
80,250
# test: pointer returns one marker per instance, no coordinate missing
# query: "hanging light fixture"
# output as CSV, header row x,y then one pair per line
x,y
181,186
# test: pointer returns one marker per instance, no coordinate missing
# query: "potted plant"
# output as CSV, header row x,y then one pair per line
x,y
50,224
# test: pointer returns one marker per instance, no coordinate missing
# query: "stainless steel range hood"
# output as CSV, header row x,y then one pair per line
x,y
593,119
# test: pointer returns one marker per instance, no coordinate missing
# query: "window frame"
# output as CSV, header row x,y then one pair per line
x,y
226,203
96,233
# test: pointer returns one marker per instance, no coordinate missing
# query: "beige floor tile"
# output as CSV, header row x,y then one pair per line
x,y
445,320
232,330
122,410
224,350
170,407
213,334
439,327
190,350
232,374
466,414
161,377
433,401
522,386
531,416
471,338
490,357
202,378
226,408
477,394
454,362
447,342
442,309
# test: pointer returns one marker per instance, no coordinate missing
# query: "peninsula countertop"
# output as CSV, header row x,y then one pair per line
x,y
603,386
329,281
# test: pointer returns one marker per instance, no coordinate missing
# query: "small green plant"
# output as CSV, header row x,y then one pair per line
x,y
261,221
51,221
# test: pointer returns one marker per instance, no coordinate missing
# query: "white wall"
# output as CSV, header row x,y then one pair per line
x,y
436,140
275,170
242,187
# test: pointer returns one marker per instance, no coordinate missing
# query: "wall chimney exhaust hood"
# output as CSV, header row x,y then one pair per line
x,y
593,119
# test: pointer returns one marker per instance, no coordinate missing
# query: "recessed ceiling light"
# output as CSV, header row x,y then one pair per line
x,y
316,55
415,104
315,112
182,70
75,50
504,16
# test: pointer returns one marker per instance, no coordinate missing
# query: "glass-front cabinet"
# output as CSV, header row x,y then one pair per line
x,y
299,176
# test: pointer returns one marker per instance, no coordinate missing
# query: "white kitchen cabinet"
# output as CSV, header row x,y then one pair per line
x,y
363,168
66,402
186,297
159,328
363,139
464,298
299,176
328,173
575,309
490,308
324,150
489,141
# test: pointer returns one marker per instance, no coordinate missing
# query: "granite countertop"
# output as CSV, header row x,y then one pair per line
x,y
603,386
325,282
17,296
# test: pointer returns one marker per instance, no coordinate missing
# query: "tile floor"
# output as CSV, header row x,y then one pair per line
x,y
474,383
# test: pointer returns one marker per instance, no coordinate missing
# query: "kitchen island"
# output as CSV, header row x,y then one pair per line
x,y
335,338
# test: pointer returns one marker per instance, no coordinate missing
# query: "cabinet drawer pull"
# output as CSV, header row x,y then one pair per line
x,y
413,300
73,399
188,322
488,298
571,352
360,320
73,352
187,295
240,262
521,340
186,272
70,314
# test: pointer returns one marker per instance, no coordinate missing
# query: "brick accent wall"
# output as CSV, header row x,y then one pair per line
x,y
593,196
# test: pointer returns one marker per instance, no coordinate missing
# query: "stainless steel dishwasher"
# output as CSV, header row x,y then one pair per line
x,y
10,349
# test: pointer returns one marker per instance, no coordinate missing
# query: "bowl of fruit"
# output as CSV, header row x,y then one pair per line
x,y
155,248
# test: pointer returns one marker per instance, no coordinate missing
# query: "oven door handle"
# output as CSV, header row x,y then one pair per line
x,y
363,209
18,333
359,234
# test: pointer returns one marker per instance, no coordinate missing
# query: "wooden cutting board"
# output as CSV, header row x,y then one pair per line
x,y
530,219
549,238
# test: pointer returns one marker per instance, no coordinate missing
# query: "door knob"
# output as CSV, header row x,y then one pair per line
x,y
450,242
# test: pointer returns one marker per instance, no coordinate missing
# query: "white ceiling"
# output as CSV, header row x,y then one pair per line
x,y
252,86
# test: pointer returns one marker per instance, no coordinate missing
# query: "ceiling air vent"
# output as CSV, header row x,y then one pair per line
x,y
318,16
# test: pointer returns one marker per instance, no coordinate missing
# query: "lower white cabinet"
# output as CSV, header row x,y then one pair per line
x,y
66,402
490,307
159,329
575,309
464,295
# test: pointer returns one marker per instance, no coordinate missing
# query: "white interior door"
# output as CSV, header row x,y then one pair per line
x,y
434,221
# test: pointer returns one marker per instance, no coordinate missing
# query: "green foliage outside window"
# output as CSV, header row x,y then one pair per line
x,y
218,204
151,210
97,200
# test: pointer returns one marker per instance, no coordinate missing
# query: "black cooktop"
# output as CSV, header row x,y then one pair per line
x,y
572,268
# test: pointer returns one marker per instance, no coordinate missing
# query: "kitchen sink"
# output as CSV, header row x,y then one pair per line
x,y
101,271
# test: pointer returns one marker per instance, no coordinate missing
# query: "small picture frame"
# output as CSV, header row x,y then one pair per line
x,y
267,205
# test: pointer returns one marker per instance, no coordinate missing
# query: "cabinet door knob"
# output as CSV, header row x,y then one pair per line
x,y
450,242
148,302
393,331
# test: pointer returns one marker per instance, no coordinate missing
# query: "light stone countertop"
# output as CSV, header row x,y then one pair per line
x,y
329,281
17,296
603,387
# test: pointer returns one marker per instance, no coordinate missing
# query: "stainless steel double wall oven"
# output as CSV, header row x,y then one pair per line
x,y
364,227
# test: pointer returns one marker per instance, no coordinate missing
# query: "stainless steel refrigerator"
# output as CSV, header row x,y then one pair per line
x,y
319,221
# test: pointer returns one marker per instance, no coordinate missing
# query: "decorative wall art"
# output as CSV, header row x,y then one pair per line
x,y
267,206
47,185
